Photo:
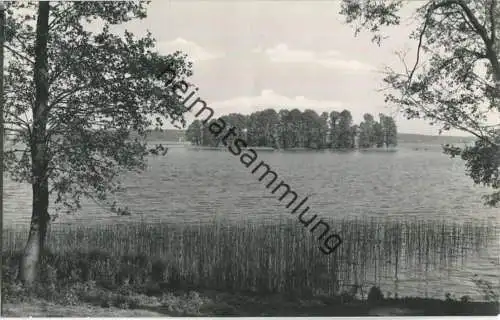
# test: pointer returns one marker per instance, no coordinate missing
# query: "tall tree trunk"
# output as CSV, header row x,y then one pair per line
x,y
38,230
39,156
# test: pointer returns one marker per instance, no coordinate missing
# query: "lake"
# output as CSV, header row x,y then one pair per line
x,y
189,186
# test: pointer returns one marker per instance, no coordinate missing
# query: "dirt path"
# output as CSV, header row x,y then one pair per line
x,y
47,309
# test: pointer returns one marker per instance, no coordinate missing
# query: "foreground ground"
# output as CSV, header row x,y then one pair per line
x,y
160,270
99,302
41,308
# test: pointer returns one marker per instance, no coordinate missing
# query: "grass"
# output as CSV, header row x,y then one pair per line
x,y
280,258
58,299
59,295
42,308
185,270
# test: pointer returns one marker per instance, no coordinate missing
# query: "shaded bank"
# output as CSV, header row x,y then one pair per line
x,y
100,302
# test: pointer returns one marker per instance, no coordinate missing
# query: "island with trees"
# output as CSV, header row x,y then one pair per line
x,y
293,129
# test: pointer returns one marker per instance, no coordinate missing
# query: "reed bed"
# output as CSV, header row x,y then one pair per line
x,y
282,257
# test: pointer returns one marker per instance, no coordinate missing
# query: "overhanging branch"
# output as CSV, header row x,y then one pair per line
x,y
18,54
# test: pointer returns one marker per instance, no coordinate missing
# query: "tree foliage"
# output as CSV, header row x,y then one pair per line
x,y
104,96
295,129
389,131
454,80
194,133
343,132
377,134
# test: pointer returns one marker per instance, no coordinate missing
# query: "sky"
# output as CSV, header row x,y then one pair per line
x,y
252,55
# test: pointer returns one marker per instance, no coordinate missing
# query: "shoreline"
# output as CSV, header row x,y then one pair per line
x,y
95,300
212,247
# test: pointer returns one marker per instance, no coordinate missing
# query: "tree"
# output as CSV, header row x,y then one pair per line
x,y
268,120
83,117
344,132
354,133
261,127
389,130
283,116
39,155
366,131
334,119
378,135
295,128
238,121
323,129
312,129
208,139
454,81
194,132
256,132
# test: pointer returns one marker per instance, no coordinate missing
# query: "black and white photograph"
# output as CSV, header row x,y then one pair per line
x,y
250,158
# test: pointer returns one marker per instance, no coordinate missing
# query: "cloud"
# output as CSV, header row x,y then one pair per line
x,y
270,99
193,50
329,59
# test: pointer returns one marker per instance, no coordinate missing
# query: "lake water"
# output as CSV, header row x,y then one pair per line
x,y
190,186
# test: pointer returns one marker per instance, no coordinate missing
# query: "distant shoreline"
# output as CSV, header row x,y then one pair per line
x,y
176,135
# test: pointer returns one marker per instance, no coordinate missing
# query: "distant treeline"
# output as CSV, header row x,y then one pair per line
x,y
176,135
434,140
166,135
295,129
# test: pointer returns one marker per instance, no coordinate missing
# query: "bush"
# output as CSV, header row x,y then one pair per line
x,y
375,294
346,297
188,304
490,292
14,292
